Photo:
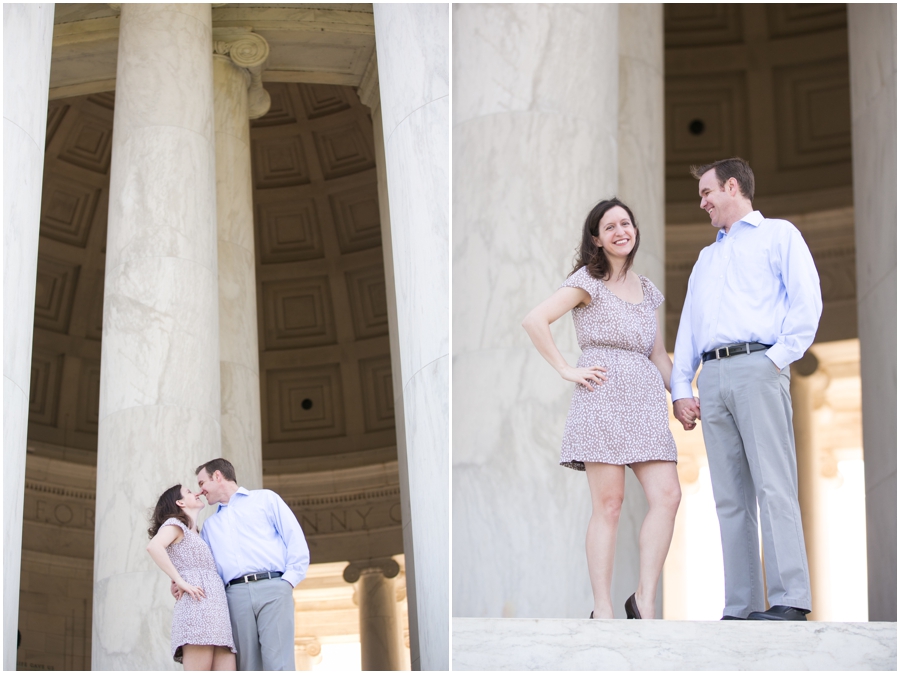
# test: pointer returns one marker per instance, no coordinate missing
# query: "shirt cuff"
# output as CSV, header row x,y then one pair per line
x,y
682,390
779,355
293,577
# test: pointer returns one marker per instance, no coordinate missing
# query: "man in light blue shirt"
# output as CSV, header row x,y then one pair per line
x,y
752,308
261,554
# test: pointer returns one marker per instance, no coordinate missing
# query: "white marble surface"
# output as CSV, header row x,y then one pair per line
x,y
535,146
425,399
416,40
641,132
238,337
412,43
872,31
27,39
606,645
534,58
159,386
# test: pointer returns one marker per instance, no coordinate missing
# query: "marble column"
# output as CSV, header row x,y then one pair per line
x,y
642,180
872,31
412,43
239,57
535,146
808,384
27,40
377,601
641,155
159,381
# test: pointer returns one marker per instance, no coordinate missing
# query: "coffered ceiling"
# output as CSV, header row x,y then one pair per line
x,y
766,82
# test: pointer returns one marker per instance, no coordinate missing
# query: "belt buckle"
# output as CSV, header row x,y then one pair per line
x,y
719,355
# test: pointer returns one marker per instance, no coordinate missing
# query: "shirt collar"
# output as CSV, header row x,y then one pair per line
x,y
753,218
240,490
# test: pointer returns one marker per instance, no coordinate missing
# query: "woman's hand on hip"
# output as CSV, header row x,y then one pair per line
x,y
193,590
586,376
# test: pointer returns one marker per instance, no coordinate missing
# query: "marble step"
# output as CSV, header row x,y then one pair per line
x,y
554,644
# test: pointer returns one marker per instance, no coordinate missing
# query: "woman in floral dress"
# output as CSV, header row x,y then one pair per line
x,y
201,628
619,413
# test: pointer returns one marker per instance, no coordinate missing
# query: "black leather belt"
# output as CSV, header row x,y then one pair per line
x,y
249,578
734,350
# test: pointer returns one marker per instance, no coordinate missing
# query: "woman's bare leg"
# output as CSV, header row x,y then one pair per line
x,y
223,660
197,658
660,482
607,484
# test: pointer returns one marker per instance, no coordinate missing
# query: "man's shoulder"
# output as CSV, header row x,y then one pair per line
x,y
264,495
778,226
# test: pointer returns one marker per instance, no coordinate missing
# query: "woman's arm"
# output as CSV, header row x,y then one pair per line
x,y
537,325
165,537
661,359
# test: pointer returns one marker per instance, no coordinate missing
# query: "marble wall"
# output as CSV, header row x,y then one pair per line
x,y
873,81
412,43
238,335
27,39
159,377
535,146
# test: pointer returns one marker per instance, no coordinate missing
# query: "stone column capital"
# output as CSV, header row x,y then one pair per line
x,y
309,645
386,566
250,51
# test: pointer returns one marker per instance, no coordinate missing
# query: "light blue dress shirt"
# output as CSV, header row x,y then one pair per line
x,y
256,531
757,283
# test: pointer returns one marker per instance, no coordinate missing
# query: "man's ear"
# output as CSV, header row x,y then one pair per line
x,y
217,476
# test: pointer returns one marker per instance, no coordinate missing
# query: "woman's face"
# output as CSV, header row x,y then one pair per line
x,y
190,500
616,233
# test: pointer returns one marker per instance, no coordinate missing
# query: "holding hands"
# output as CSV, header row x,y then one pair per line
x,y
687,411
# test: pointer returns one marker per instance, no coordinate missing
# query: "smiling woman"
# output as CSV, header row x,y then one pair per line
x,y
618,414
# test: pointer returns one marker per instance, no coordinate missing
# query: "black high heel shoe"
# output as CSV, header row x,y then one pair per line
x,y
631,608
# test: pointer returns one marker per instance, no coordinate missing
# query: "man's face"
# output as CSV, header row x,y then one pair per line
x,y
209,487
714,199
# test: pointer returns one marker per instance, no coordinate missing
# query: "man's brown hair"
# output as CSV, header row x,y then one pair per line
x,y
736,168
222,465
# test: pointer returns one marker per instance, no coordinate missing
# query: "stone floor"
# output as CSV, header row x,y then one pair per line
x,y
551,644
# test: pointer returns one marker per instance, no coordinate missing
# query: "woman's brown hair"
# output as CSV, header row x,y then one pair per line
x,y
589,255
166,507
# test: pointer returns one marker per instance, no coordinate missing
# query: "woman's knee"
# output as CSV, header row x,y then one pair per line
x,y
666,496
609,506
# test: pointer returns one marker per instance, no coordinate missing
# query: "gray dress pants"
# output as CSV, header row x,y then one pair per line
x,y
262,622
745,405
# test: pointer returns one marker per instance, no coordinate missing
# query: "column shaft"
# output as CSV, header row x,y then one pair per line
x,y
159,385
238,339
804,392
872,31
535,137
27,41
412,44
379,643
